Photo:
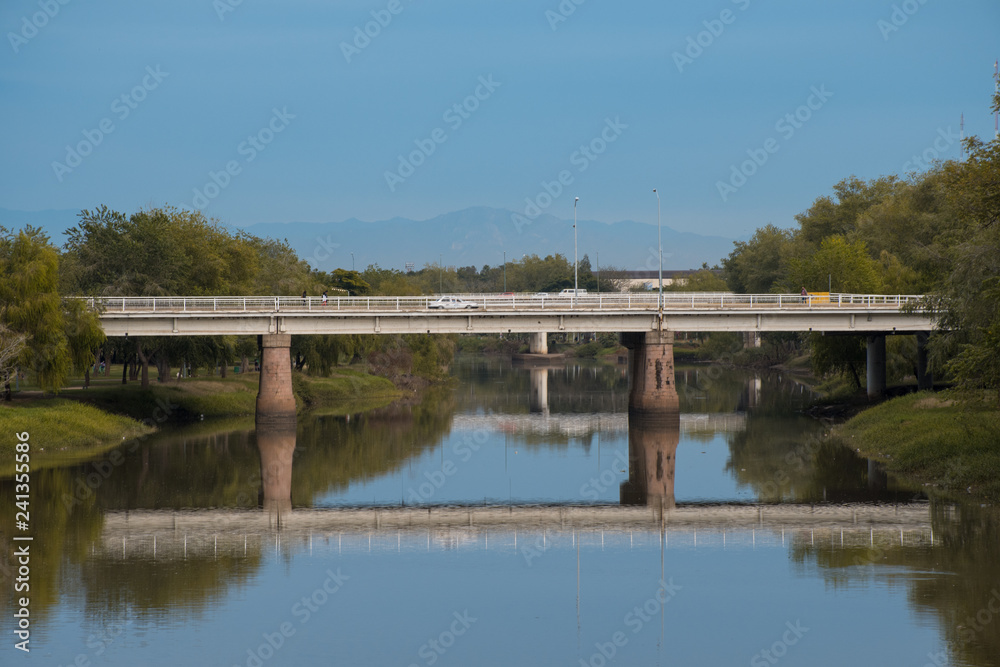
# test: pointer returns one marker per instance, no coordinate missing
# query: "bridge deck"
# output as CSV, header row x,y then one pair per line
x,y
180,316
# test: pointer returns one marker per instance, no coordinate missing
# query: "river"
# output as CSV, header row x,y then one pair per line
x,y
516,518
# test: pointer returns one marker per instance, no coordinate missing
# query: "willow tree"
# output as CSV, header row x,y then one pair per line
x,y
30,304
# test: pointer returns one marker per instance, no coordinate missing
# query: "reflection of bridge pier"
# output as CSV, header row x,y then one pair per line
x,y
652,458
276,444
539,401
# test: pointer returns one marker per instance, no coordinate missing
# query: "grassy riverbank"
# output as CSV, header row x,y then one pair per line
x,y
62,432
949,441
82,423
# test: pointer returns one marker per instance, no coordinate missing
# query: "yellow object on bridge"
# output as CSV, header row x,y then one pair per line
x,y
819,297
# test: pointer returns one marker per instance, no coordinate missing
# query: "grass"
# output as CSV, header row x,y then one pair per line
x,y
949,441
62,432
82,423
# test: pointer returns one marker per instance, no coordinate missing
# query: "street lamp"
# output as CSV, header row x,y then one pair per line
x,y
504,270
576,282
352,261
659,243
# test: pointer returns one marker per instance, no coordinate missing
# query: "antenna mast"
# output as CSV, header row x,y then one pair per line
x,y
961,131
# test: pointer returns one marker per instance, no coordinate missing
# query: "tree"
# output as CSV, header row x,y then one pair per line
x,y
757,265
30,304
841,265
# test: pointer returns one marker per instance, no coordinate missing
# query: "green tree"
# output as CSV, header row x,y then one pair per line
x,y
30,304
756,266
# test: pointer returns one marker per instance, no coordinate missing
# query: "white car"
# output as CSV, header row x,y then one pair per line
x,y
569,292
451,303
541,295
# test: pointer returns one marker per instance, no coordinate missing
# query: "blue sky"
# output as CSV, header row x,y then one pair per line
x,y
309,132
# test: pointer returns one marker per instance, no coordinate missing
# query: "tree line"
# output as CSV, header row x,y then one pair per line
x,y
933,233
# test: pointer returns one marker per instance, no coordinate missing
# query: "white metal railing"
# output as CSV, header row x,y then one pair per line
x,y
626,301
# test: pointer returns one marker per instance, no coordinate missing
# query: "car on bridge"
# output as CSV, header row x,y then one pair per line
x,y
570,292
451,303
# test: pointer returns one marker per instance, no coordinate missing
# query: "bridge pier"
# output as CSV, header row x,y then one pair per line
x,y
275,400
539,343
925,380
654,392
876,366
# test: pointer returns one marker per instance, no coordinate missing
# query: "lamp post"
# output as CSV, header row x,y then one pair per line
x,y
576,283
352,261
504,270
659,244
598,255
441,274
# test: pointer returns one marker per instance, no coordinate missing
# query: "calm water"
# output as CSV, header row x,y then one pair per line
x,y
518,518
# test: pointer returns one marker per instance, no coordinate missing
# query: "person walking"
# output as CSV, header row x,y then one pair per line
x,y
805,295
324,297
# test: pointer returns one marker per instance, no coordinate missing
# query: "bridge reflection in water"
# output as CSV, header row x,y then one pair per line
x,y
647,513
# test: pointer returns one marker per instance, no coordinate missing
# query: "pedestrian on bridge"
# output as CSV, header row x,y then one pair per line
x,y
324,297
805,295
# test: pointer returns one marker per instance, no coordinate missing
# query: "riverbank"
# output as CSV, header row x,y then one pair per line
x,y
81,423
947,441
62,432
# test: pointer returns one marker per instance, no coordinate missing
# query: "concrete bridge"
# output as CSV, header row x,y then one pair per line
x,y
646,325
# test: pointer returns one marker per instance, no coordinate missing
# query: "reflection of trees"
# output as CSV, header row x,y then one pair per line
x,y
333,452
964,577
62,531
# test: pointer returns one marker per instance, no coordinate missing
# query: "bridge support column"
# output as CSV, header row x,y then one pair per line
x,y
925,380
275,401
876,365
539,343
653,392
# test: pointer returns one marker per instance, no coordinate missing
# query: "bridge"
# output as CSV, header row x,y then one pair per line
x,y
645,322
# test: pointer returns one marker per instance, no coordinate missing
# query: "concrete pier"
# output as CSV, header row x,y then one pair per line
x,y
925,380
653,393
275,401
876,366
539,343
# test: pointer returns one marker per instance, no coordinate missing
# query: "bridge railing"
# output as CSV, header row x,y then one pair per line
x,y
498,302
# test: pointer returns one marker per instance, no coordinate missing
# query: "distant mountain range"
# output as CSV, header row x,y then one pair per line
x,y
471,237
